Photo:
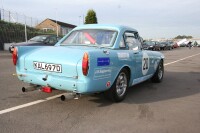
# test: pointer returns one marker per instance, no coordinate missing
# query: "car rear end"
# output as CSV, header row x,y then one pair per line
x,y
69,69
40,66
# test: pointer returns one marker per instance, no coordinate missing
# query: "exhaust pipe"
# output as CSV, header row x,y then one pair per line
x,y
70,96
62,98
30,88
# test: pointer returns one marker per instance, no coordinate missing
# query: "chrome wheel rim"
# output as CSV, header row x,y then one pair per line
x,y
160,71
121,84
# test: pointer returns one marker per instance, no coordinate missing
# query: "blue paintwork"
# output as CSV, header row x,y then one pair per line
x,y
104,64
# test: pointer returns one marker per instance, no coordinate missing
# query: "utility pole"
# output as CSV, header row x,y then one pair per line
x,y
0,14
79,18
56,28
2,11
25,29
3,14
83,19
8,16
56,23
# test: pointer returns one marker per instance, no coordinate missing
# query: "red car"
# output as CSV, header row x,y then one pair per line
x,y
175,45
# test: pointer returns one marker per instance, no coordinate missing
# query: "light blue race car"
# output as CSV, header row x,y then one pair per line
x,y
90,59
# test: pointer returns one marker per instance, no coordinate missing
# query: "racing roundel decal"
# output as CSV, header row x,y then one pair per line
x,y
108,84
145,63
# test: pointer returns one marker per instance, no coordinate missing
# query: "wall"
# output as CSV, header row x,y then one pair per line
x,y
48,24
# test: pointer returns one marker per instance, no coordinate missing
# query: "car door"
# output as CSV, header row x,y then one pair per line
x,y
141,58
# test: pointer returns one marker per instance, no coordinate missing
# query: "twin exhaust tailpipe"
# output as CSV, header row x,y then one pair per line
x,y
49,90
70,96
37,87
30,88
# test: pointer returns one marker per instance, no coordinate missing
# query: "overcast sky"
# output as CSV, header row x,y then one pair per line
x,y
152,18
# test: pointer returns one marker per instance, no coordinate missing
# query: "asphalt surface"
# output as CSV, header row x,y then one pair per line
x,y
172,106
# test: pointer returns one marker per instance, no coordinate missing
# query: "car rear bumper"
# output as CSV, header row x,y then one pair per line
x,y
71,84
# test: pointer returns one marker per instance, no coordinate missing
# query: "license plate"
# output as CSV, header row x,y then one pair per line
x,y
47,67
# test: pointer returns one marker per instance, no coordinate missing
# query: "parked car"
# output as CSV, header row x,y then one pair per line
x,y
169,45
156,46
90,59
41,40
162,45
183,45
197,44
166,45
175,45
151,45
148,45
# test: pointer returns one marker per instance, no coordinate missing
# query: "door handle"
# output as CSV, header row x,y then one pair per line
x,y
106,52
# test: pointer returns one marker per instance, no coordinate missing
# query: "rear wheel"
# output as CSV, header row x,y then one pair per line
x,y
158,76
118,90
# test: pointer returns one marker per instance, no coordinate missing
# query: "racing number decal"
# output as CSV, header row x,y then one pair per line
x,y
145,63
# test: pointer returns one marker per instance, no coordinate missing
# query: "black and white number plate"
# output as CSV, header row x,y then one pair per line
x,y
47,67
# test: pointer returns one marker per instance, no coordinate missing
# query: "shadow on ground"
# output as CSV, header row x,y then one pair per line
x,y
174,85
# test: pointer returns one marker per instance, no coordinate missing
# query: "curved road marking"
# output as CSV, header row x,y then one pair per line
x,y
56,96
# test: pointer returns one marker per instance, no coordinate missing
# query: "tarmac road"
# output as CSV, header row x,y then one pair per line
x,y
172,106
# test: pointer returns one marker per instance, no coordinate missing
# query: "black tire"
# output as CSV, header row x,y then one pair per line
x,y
118,90
158,76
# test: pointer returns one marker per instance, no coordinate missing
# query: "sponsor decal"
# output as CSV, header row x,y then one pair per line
x,y
108,84
145,63
104,61
123,56
101,73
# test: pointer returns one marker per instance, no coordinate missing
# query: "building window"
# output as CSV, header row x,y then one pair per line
x,y
48,29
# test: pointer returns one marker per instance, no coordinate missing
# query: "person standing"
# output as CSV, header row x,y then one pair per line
x,y
190,44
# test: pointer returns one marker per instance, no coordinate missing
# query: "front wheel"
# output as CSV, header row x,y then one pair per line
x,y
118,90
158,76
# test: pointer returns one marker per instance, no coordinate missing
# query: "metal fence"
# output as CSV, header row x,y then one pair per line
x,y
16,27
15,17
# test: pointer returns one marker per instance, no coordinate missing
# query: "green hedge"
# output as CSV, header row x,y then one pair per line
x,y
13,32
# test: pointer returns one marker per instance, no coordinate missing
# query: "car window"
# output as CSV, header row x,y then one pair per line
x,y
131,40
38,39
52,40
46,41
149,43
91,37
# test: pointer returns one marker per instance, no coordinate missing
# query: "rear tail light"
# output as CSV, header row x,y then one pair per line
x,y
85,64
15,56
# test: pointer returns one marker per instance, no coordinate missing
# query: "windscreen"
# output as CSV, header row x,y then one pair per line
x,y
38,39
149,43
91,37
